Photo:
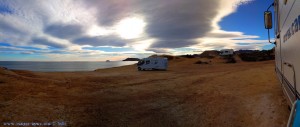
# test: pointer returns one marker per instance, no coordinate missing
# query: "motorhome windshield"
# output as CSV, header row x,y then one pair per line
x,y
141,62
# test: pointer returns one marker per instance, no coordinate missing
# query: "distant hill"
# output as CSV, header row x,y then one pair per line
x,y
169,57
209,54
131,59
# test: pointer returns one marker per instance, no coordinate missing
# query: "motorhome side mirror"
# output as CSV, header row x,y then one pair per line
x,y
268,20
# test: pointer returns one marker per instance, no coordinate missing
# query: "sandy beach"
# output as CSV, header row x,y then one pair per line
x,y
244,94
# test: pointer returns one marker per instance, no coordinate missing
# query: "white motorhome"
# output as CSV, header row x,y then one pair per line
x,y
287,37
226,52
156,63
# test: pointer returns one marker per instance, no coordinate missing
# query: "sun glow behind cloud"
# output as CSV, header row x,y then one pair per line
x,y
130,28
127,28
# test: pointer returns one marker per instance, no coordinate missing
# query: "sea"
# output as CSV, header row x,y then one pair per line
x,y
62,66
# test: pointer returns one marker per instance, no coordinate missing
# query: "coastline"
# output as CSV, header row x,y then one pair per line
x,y
66,66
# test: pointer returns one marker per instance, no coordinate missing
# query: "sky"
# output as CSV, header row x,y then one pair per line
x,y
99,30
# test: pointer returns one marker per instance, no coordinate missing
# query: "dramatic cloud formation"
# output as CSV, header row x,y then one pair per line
x,y
45,41
145,26
100,41
66,31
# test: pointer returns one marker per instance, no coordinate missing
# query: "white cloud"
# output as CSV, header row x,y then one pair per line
x,y
142,45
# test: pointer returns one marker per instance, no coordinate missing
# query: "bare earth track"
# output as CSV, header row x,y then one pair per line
x,y
187,95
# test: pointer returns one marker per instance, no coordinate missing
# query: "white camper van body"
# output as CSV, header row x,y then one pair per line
x,y
226,52
287,49
153,64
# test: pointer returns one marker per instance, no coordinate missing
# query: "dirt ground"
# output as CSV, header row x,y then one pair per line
x,y
186,95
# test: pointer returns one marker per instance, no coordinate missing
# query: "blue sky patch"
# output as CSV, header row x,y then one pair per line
x,y
28,47
4,9
248,19
4,44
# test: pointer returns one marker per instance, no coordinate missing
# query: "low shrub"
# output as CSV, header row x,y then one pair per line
x,y
201,62
231,60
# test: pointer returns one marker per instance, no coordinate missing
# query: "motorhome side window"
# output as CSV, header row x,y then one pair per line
x,y
147,61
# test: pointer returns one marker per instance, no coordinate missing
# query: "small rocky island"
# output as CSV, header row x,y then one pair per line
x,y
131,59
